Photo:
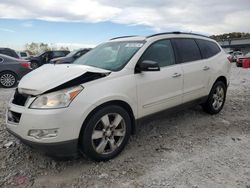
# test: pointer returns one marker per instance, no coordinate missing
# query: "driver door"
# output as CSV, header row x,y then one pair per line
x,y
159,90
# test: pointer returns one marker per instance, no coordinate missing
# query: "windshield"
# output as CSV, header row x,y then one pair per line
x,y
72,53
40,54
111,55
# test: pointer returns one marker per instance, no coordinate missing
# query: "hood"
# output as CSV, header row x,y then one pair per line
x,y
49,77
33,58
61,60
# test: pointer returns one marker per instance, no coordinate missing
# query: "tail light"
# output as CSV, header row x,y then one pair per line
x,y
25,64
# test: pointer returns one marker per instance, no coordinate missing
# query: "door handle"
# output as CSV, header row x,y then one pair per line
x,y
206,68
175,75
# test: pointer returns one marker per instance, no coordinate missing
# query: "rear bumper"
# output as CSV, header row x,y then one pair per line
x,y
60,150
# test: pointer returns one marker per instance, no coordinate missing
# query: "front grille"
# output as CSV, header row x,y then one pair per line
x,y
19,99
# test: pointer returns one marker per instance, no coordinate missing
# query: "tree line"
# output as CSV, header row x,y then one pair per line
x,y
36,48
234,35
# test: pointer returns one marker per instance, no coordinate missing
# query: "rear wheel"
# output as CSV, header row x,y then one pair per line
x,y
106,133
8,79
216,98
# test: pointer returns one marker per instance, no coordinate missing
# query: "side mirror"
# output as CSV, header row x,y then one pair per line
x,y
148,65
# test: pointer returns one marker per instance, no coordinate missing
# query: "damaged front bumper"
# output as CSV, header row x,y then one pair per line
x,y
60,150
21,120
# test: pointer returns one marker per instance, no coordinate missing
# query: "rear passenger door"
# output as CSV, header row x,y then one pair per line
x,y
195,70
159,90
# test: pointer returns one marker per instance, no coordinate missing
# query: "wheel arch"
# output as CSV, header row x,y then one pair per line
x,y
11,71
222,79
120,103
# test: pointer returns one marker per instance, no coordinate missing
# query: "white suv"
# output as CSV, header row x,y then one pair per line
x,y
92,106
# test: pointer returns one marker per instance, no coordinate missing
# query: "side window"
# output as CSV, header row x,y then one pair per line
x,y
14,54
208,48
1,60
6,52
160,52
186,50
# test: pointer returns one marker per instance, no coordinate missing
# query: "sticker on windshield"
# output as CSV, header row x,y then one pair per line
x,y
134,45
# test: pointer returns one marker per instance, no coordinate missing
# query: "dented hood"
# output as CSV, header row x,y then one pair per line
x,y
51,76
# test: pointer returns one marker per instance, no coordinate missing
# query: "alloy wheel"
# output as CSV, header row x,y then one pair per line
x,y
108,133
218,97
8,80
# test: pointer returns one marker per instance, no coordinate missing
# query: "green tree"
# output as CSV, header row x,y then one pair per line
x,y
36,48
233,35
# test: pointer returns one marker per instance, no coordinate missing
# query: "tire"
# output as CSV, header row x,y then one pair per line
x,y
34,65
8,79
216,98
98,138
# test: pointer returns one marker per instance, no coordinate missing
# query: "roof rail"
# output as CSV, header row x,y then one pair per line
x,y
176,32
123,37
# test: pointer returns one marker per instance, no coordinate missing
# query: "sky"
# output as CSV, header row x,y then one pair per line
x,y
86,23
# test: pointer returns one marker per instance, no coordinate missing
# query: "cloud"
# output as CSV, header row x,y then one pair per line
x,y
210,17
7,30
27,24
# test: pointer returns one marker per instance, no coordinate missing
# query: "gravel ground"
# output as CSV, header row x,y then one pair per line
x,y
187,149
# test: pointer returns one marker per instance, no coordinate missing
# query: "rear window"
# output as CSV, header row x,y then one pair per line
x,y
208,48
186,50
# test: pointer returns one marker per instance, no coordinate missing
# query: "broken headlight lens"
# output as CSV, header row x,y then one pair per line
x,y
58,99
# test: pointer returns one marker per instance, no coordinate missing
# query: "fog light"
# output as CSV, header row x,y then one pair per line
x,y
43,133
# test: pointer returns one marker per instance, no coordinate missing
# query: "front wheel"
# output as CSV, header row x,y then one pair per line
x,y
216,98
106,133
8,79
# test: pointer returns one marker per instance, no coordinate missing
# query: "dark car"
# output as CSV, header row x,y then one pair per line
x,y
12,70
72,56
37,61
9,52
240,59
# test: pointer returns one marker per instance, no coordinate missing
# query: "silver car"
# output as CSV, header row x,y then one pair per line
x,y
12,70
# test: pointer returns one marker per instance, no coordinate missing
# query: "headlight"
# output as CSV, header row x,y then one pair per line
x,y
58,99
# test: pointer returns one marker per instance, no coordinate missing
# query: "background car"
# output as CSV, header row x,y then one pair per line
x,y
241,58
45,57
12,70
72,56
235,55
23,55
9,52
